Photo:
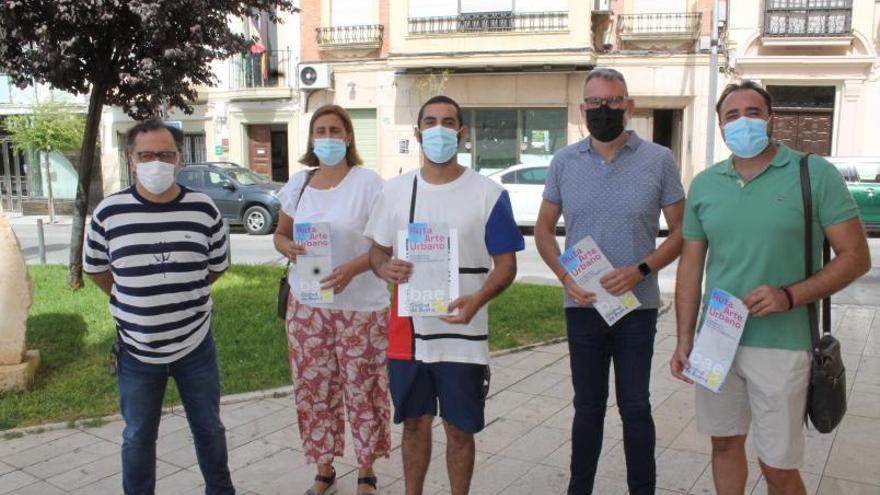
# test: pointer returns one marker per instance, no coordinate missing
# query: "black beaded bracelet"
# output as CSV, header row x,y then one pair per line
x,y
788,296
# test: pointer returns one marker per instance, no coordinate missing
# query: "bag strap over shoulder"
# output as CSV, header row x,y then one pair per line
x,y
812,308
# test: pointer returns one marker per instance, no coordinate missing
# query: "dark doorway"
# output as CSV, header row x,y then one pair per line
x,y
280,158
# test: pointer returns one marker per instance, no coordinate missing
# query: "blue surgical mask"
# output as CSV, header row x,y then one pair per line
x,y
330,151
746,137
439,144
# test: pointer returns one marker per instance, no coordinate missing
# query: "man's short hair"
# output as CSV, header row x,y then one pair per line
x,y
441,99
151,125
607,74
743,85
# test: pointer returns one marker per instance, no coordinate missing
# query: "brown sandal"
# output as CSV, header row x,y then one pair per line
x,y
368,480
329,480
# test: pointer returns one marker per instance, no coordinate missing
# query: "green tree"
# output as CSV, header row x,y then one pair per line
x,y
137,54
52,127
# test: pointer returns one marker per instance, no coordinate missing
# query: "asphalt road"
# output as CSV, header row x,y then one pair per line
x,y
248,249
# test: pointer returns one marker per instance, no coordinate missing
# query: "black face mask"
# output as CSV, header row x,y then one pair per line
x,y
605,123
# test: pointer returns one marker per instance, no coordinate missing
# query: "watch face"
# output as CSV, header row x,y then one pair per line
x,y
644,269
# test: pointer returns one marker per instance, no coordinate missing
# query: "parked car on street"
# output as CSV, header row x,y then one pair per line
x,y
525,185
862,175
242,195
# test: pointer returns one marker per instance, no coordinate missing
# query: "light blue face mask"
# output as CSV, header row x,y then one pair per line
x,y
330,151
746,137
439,144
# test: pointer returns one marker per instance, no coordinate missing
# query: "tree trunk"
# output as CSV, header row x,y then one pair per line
x,y
84,169
51,197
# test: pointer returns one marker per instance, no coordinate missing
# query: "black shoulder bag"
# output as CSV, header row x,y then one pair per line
x,y
826,398
283,284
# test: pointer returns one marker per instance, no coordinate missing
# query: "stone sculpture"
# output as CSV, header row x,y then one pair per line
x,y
18,366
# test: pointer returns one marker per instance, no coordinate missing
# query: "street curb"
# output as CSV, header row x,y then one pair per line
x,y
271,393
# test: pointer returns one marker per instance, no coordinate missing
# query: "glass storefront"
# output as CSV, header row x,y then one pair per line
x,y
500,137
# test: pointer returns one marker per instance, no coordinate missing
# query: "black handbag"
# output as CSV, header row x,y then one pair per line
x,y
283,284
826,397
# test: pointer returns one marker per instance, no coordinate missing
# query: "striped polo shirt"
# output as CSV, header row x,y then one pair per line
x,y
160,255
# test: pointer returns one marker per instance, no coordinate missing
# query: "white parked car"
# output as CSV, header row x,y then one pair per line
x,y
525,185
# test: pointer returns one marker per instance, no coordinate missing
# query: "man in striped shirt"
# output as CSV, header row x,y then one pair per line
x,y
155,248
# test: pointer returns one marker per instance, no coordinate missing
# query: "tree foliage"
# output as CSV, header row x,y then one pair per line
x,y
52,127
137,54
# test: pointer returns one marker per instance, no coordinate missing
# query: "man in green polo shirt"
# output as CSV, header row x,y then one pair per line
x,y
744,222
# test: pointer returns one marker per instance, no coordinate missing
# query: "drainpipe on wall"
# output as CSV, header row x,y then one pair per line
x,y
713,88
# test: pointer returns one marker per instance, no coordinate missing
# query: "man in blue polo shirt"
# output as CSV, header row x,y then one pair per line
x,y
155,248
744,221
612,186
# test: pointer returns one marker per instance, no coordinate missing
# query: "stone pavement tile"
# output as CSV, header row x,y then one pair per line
x,y
286,437
106,486
680,402
537,410
869,369
390,468
40,451
183,481
613,427
27,441
71,459
856,324
39,488
236,415
538,383
561,367
705,485
864,404
110,431
665,343
347,484
501,433
557,348
691,440
534,361
89,473
399,488
496,473
834,486
172,423
540,479
260,427
503,402
252,452
612,464
437,475
5,468
562,390
669,424
562,419
283,473
561,457
811,483
10,482
854,454
503,378
538,443
817,446
507,360
605,486
679,470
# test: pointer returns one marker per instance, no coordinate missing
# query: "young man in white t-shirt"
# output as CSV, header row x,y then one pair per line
x,y
443,359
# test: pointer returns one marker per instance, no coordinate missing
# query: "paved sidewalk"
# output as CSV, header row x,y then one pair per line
x,y
524,449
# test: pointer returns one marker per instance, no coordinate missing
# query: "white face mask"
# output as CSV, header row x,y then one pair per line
x,y
156,177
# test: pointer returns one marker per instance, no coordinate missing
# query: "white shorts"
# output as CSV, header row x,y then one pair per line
x,y
767,390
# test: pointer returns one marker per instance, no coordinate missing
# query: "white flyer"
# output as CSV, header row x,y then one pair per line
x,y
432,248
315,264
586,263
718,340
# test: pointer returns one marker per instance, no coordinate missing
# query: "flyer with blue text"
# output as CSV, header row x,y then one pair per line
x,y
432,248
718,340
586,264
315,265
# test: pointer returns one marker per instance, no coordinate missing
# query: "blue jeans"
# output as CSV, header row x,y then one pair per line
x,y
592,346
141,389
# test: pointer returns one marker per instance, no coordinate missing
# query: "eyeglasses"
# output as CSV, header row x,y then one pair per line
x,y
611,101
150,156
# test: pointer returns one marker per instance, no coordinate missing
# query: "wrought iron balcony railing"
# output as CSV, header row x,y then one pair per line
x,y
490,22
807,18
260,70
659,26
365,36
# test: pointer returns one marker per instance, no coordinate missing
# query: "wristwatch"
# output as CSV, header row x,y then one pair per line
x,y
644,269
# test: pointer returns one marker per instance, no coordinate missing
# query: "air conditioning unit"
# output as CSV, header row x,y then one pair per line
x,y
315,76
601,6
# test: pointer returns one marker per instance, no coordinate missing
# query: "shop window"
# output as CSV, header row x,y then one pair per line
x,y
499,138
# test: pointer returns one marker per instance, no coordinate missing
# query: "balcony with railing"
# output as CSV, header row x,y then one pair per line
x,y
489,22
346,37
260,70
807,18
661,26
